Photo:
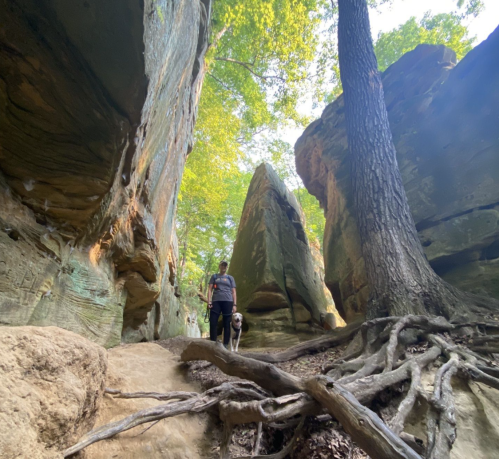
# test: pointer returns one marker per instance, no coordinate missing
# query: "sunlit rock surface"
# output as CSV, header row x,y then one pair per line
x,y
97,106
51,383
444,119
278,290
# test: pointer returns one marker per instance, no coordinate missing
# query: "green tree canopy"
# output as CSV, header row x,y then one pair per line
x,y
263,57
443,29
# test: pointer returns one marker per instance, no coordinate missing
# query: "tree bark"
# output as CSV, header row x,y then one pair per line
x,y
401,279
264,374
362,424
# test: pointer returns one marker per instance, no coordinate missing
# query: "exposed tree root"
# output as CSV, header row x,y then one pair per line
x,y
201,402
179,395
332,339
393,350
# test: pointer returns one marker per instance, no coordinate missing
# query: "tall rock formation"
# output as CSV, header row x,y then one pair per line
x,y
444,120
98,102
279,291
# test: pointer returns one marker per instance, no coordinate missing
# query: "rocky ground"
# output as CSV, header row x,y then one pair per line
x,y
319,439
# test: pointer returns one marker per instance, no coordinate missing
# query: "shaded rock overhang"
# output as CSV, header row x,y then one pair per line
x,y
98,104
74,84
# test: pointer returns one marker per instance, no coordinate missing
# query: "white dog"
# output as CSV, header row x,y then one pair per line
x,y
235,332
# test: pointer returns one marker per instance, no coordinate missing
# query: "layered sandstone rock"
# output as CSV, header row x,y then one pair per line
x,y
444,123
51,383
97,107
278,290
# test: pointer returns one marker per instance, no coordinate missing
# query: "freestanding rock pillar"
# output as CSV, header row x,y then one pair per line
x,y
279,291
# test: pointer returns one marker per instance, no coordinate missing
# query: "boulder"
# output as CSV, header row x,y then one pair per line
x,y
444,120
147,367
279,291
97,106
51,383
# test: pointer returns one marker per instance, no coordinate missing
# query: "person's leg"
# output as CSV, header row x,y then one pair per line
x,y
227,317
214,315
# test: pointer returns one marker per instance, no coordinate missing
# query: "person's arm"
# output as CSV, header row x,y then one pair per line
x,y
234,298
210,288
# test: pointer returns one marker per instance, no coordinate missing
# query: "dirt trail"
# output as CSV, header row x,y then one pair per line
x,y
148,367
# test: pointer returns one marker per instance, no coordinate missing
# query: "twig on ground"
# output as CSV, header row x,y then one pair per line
x,y
285,451
256,448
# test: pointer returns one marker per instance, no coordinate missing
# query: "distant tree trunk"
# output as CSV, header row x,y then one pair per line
x,y
401,279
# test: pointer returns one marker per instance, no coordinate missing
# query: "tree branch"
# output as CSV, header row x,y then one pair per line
x,y
248,66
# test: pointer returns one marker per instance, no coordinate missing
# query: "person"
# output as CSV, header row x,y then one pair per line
x,y
222,300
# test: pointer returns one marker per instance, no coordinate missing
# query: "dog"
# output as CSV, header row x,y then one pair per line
x,y
235,331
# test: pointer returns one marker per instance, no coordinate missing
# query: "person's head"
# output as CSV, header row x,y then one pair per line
x,y
223,267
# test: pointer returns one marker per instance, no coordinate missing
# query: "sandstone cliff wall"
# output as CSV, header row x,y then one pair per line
x,y
279,291
97,106
444,120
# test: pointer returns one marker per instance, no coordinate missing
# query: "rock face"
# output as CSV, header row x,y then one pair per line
x,y
278,290
149,368
444,123
51,382
332,318
98,102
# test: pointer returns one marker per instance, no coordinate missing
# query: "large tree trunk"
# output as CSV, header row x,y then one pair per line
x,y
401,279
